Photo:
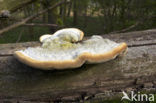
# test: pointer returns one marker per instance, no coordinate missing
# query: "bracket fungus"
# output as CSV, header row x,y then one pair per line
x,y
65,49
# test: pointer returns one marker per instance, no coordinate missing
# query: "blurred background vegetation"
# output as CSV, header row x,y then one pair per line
x,y
94,17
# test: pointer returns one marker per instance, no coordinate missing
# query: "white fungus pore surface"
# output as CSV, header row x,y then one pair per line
x,y
59,50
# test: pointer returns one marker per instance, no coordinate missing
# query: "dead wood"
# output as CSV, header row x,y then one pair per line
x,y
135,71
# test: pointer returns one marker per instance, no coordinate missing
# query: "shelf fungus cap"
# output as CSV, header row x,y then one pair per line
x,y
67,34
63,51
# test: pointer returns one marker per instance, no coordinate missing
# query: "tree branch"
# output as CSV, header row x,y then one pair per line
x,y
22,5
126,29
134,25
29,18
33,24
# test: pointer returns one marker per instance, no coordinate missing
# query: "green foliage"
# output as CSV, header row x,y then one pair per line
x,y
13,35
119,14
94,17
59,21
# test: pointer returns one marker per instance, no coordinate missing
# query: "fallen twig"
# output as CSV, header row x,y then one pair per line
x,y
126,29
33,24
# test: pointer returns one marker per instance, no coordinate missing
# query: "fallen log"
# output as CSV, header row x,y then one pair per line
x,y
135,71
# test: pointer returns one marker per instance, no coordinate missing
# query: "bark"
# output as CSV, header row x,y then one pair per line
x,y
135,71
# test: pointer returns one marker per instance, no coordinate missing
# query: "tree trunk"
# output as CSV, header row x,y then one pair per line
x,y
61,10
75,12
69,9
135,71
85,17
27,12
44,15
64,11
51,20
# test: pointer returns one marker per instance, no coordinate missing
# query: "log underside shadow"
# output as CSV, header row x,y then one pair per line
x,y
135,71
